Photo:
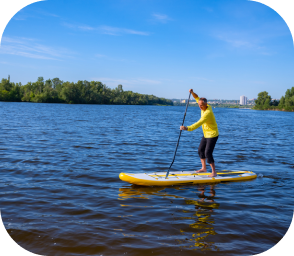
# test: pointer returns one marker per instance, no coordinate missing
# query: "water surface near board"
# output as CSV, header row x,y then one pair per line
x,y
61,195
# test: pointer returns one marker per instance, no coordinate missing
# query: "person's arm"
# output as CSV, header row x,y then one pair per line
x,y
201,121
196,97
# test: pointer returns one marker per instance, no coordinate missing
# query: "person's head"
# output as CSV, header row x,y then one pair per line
x,y
202,102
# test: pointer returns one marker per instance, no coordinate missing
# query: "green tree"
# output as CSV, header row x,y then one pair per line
x,y
287,102
263,101
82,92
262,97
16,92
4,95
120,88
56,81
5,85
289,93
267,103
71,93
282,102
48,83
40,84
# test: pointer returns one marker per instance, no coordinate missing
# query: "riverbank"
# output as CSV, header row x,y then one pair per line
x,y
82,92
276,109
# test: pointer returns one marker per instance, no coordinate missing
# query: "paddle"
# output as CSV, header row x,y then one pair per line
x,y
179,137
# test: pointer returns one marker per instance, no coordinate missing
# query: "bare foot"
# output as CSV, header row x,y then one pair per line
x,y
212,175
201,170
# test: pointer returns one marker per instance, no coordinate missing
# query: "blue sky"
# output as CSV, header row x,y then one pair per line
x,y
221,48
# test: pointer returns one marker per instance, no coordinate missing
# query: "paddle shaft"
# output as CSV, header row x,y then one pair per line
x,y
179,137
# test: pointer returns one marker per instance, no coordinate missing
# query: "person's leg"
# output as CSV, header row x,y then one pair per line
x,y
201,153
208,154
213,173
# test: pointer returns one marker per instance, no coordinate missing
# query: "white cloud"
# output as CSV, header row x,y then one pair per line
x,y
69,25
108,30
30,48
86,28
161,17
33,13
19,18
244,41
118,31
235,40
134,32
44,13
258,38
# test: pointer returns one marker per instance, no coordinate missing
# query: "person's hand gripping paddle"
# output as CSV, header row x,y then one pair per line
x,y
179,137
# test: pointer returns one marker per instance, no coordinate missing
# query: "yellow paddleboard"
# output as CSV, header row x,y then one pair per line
x,y
184,178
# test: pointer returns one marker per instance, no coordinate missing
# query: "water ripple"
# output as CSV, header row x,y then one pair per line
x,y
61,195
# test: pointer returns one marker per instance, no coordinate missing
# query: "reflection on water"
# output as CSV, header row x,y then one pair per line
x,y
204,221
141,192
199,222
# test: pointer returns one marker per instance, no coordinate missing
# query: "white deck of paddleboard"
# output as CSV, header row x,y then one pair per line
x,y
190,175
187,176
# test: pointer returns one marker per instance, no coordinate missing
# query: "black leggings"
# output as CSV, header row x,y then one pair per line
x,y
206,148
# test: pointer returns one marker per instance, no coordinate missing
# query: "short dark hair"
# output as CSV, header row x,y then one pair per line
x,y
203,99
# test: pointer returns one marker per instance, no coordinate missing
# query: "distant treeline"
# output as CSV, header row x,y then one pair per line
x,y
82,92
264,101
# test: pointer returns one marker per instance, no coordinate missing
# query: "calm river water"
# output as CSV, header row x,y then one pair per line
x,y
61,194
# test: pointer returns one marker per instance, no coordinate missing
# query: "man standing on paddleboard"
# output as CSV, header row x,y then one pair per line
x,y
210,131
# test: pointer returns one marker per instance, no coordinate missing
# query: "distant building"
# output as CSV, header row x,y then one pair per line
x,y
243,100
183,101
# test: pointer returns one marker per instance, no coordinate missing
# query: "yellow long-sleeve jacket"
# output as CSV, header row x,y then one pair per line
x,y
207,120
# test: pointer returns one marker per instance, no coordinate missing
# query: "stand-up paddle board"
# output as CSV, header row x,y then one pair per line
x,y
184,178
